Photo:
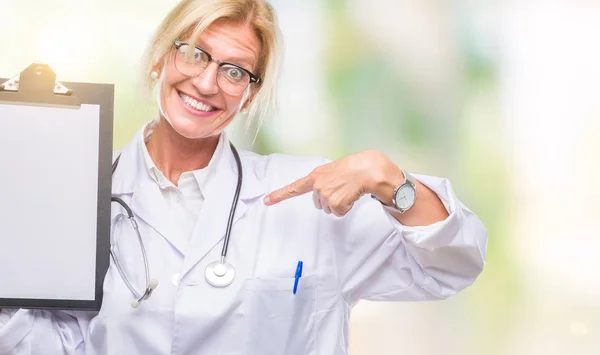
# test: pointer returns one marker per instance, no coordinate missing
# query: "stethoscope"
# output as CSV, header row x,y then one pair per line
x,y
218,273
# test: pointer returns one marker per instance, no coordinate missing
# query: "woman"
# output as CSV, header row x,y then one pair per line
x,y
209,61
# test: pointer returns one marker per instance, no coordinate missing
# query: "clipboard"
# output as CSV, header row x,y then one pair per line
x,y
55,190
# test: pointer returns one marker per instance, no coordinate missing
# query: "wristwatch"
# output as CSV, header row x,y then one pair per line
x,y
404,195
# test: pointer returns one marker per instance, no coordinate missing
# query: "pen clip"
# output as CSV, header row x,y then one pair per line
x,y
297,276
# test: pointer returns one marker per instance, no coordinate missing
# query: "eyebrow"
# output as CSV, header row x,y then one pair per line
x,y
239,61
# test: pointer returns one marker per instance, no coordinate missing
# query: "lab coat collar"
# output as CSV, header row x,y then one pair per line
x,y
132,178
219,192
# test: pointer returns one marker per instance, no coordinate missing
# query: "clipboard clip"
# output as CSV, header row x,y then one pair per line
x,y
37,86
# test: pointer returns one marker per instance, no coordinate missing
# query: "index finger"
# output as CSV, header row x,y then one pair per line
x,y
296,188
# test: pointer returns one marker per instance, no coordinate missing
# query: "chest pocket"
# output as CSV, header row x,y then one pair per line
x,y
279,322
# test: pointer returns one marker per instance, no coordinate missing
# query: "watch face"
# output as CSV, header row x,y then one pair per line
x,y
405,197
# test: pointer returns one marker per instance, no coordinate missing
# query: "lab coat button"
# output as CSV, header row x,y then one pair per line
x,y
175,279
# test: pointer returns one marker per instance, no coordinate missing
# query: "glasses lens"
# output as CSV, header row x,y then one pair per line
x,y
190,60
233,80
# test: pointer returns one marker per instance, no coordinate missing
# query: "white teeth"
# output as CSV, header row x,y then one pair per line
x,y
195,104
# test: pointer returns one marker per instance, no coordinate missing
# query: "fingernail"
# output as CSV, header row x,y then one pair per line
x,y
267,200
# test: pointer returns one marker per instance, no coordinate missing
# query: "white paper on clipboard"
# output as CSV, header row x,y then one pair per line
x,y
48,201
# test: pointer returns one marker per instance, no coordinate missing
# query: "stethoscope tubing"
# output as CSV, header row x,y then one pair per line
x,y
236,197
151,284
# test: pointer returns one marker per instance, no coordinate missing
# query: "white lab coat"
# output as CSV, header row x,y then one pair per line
x,y
365,255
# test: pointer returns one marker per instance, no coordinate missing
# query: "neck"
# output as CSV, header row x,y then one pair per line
x,y
174,154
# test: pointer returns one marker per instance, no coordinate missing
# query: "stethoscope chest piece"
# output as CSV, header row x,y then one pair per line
x,y
219,273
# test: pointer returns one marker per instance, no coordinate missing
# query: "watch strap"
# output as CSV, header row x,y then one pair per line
x,y
407,178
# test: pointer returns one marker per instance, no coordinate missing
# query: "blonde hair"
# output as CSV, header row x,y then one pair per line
x,y
191,17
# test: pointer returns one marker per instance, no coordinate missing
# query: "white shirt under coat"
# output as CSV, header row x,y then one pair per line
x,y
366,254
184,201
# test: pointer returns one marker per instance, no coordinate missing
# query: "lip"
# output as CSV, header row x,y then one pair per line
x,y
199,100
196,112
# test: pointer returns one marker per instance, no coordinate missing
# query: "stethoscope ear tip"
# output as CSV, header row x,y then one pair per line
x,y
153,284
135,304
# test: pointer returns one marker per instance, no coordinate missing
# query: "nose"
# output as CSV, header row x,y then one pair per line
x,y
206,82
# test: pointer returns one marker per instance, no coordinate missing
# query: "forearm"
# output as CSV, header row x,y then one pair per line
x,y
5,316
411,263
427,209
26,330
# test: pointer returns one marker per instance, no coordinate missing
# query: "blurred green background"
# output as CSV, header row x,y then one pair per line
x,y
499,96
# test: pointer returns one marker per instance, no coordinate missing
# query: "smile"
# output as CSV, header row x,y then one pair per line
x,y
194,104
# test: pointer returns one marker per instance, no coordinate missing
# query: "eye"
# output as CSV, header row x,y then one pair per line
x,y
234,74
193,55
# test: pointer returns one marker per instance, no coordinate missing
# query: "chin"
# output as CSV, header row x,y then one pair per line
x,y
190,131
193,129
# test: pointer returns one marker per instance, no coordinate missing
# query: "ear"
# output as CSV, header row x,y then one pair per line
x,y
158,66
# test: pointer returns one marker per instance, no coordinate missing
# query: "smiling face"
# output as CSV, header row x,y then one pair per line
x,y
197,107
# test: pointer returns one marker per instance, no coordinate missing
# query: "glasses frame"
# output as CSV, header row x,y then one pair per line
x,y
254,79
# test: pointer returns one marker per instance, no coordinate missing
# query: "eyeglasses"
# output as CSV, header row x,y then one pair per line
x,y
231,78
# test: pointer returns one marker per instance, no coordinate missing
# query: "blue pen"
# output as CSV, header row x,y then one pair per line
x,y
297,276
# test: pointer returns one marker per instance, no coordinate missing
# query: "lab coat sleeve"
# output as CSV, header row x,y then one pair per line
x,y
42,332
380,259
